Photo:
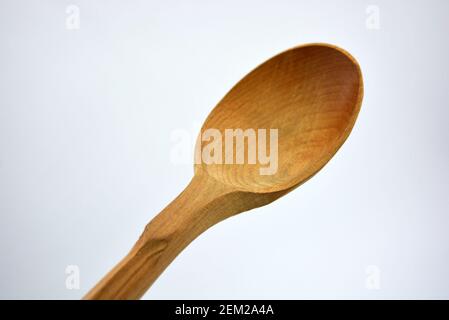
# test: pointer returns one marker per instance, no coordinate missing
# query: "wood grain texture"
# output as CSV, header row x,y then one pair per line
x,y
312,95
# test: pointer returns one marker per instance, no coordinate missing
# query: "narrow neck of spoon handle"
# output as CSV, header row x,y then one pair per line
x,y
202,204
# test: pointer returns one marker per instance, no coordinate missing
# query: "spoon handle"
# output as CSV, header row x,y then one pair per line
x,y
203,203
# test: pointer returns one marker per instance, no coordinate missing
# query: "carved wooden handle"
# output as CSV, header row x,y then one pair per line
x,y
202,204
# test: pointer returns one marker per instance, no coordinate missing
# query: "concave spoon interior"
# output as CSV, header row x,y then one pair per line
x,y
311,94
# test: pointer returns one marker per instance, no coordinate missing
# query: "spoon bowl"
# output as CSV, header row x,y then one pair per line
x,y
309,96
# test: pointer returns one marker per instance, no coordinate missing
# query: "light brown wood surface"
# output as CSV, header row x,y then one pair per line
x,y
312,95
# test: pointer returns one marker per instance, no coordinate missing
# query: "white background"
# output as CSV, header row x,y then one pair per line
x,y
87,117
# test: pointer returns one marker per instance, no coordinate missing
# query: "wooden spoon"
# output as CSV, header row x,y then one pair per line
x,y
312,95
